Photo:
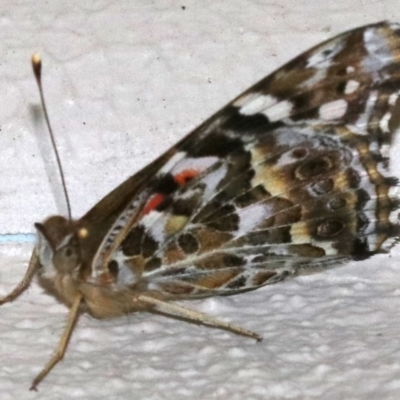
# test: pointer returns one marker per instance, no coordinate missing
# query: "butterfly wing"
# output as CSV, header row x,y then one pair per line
x,y
290,177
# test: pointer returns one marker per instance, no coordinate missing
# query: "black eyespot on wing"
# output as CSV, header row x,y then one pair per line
x,y
165,184
139,242
213,145
113,267
188,243
245,123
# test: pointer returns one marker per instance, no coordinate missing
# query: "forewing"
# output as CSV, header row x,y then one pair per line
x,y
290,177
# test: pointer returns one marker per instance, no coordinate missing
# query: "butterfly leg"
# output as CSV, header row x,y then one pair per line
x,y
62,345
195,316
25,282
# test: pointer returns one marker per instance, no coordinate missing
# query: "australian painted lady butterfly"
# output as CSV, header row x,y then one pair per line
x,y
289,178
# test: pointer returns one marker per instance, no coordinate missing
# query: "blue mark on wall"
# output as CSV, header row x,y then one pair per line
x,y
17,238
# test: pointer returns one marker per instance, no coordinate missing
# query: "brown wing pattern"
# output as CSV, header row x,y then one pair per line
x,y
290,177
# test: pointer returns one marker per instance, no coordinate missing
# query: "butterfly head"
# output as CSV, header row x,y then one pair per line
x,y
58,247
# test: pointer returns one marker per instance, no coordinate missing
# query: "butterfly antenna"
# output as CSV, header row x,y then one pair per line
x,y
37,70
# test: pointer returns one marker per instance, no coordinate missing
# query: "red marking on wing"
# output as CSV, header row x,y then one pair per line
x,y
180,179
185,176
153,203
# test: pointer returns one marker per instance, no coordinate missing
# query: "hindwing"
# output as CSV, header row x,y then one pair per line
x,y
290,177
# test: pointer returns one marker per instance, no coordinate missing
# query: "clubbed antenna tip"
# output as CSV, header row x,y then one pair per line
x,y
37,66
37,70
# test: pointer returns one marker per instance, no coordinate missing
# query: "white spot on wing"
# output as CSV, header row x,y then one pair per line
x,y
252,216
125,274
333,110
379,53
245,99
279,111
286,158
270,106
154,225
351,86
326,245
254,104
323,57
362,121
392,98
197,164
175,159
212,180
384,122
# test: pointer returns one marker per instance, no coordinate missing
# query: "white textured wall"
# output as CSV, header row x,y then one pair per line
x,y
124,80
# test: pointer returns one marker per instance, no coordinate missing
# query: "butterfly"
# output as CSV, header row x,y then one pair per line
x,y
291,177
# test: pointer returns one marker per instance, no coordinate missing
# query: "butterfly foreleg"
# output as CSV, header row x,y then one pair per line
x,y
25,282
194,316
62,345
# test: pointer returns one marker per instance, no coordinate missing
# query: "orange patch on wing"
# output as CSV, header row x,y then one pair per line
x,y
185,176
180,179
153,203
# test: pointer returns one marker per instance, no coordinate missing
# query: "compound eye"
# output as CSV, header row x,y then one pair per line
x,y
66,259
68,252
